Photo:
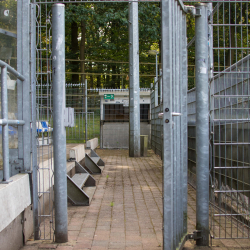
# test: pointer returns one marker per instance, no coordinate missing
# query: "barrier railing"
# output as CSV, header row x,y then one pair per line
x,y
5,122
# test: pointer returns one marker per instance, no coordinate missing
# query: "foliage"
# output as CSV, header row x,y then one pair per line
x,y
106,42
8,22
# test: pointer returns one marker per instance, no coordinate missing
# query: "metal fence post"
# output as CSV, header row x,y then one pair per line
x,y
60,173
202,125
23,67
134,83
160,79
5,127
86,111
156,91
33,117
184,142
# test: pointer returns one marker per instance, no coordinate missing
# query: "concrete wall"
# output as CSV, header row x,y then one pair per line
x,y
19,230
16,214
116,134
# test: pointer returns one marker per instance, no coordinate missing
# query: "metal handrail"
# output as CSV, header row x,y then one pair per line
x,y
4,122
12,70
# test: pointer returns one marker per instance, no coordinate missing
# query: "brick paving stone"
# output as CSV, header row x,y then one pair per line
x,y
101,243
64,248
47,246
83,245
99,248
243,242
74,228
134,248
230,243
29,248
116,245
73,233
72,237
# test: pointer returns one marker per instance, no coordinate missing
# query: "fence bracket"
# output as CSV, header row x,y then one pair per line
x,y
193,11
196,235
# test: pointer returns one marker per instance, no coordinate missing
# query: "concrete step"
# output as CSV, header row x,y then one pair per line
x,y
94,163
95,159
90,191
81,186
80,179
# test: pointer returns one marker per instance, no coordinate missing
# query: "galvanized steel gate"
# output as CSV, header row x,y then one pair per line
x,y
174,80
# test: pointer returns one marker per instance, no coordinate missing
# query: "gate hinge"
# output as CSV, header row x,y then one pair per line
x,y
195,236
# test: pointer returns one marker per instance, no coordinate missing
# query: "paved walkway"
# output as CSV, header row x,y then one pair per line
x,y
126,211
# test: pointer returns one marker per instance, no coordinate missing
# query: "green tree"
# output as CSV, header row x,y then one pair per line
x,y
103,39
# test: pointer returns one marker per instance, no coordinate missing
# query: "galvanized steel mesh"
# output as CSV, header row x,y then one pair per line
x,y
230,124
156,127
45,170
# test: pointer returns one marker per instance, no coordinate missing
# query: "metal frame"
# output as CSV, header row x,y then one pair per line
x,y
5,122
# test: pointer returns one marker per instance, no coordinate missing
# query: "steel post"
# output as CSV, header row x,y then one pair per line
x,y
23,94
86,111
202,125
160,78
184,124
5,127
167,77
33,117
156,80
58,76
156,91
134,83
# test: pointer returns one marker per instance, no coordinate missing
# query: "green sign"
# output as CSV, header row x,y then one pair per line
x,y
109,96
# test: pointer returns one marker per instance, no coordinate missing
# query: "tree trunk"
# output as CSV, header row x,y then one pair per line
x,y
99,70
91,76
113,77
74,49
82,50
108,77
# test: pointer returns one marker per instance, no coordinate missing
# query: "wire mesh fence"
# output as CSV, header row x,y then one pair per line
x,y
229,112
156,126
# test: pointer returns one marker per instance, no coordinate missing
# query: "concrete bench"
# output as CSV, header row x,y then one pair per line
x,y
77,153
92,144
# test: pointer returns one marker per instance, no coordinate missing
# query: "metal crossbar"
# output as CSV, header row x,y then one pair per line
x,y
5,122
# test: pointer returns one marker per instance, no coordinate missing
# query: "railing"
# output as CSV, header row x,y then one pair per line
x,y
78,132
5,122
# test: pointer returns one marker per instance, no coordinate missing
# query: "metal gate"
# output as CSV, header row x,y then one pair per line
x,y
41,26
229,119
174,80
